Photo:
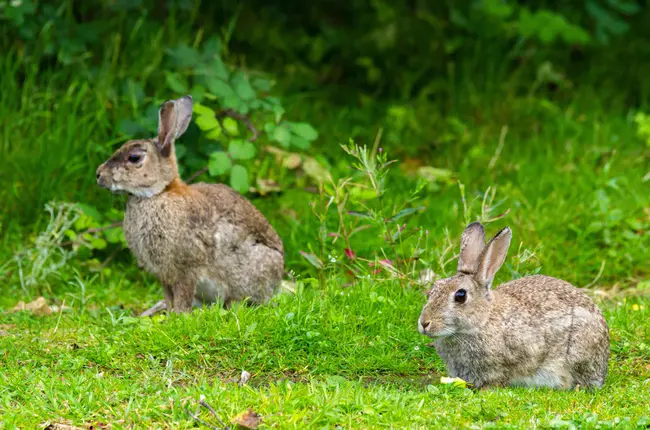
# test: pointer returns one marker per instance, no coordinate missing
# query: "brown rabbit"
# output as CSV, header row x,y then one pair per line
x,y
205,242
535,331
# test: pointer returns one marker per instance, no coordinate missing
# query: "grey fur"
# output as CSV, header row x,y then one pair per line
x,y
533,331
205,242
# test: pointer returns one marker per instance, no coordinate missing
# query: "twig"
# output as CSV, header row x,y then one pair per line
x,y
200,421
160,306
197,174
239,117
600,273
203,403
211,409
104,228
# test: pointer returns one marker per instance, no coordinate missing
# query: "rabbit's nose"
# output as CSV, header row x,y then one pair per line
x,y
425,324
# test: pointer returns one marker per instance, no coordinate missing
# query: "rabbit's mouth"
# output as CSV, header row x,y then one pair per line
x,y
428,329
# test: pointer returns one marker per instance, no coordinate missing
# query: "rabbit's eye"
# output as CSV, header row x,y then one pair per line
x,y
135,158
460,296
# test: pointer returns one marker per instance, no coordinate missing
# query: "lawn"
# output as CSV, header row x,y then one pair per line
x,y
338,347
317,359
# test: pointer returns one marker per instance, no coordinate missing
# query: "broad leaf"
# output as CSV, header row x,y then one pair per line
x,y
207,123
239,178
220,88
282,135
230,126
241,150
219,164
304,130
214,134
242,86
176,83
262,84
184,56
200,109
299,142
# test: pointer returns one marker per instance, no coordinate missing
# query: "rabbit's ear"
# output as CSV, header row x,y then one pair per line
x,y
173,119
493,257
471,245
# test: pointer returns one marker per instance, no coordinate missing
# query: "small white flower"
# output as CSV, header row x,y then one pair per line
x,y
342,293
380,312
417,348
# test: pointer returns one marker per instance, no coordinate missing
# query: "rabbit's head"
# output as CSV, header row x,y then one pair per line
x,y
458,305
146,167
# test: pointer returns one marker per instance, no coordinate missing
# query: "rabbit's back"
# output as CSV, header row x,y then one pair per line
x,y
209,234
560,327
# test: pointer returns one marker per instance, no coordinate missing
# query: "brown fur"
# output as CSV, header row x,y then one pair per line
x,y
533,331
205,242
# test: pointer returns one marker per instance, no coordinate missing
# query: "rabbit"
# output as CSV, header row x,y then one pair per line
x,y
535,331
204,242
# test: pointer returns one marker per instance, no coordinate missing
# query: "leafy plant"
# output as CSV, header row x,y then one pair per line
x,y
400,246
226,98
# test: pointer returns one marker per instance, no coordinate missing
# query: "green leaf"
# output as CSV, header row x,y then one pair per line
x,y
197,92
282,135
181,150
315,261
97,243
239,178
628,8
114,235
90,211
219,164
207,123
231,127
304,130
241,150
184,56
242,86
176,83
218,68
214,134
220,88
279,112
404,212
212,47
262,84
299,142
234,102
202,110
269,127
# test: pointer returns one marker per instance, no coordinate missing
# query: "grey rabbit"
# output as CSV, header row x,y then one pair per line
x,y
535,331
205,242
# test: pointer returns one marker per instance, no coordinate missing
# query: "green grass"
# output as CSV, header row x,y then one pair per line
x,y
341,354
317,359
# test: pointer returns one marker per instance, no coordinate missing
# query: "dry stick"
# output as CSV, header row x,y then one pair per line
x,y
211,409
200,421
